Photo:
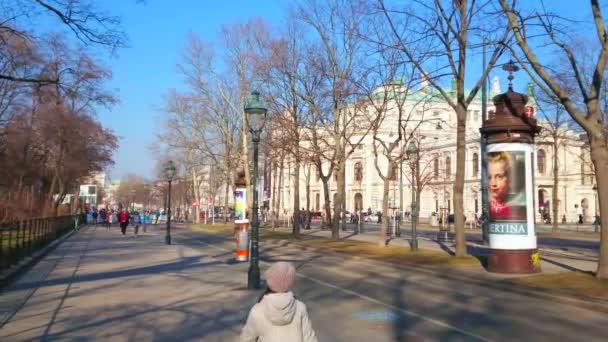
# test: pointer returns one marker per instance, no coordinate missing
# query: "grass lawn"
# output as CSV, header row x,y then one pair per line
x,y
219,227
21,238
576,235
583,283
393,254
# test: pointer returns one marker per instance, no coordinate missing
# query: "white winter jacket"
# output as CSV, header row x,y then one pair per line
x,y
279,317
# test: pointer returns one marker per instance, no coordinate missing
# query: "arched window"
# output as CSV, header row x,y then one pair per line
x,y
448,167
358,172
475,164
436,167
358,202
541,159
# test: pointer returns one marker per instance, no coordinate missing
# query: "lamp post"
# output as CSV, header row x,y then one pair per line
x,y
169,174
400,194
256,116
412,152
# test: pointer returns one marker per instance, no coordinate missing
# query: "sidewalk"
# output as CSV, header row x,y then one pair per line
x,y
100,285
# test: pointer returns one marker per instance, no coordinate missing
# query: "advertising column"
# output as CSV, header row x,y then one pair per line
x,y
241,223
510,155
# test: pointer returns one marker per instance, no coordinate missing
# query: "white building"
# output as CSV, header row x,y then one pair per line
x,y
432,124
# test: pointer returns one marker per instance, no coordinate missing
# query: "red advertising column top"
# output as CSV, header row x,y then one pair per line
x,y
510,123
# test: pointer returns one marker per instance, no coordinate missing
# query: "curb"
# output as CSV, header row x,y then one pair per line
x,y
589,303
8,275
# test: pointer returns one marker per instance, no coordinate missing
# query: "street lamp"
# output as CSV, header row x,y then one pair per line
x,y
256,117
412,154
169,174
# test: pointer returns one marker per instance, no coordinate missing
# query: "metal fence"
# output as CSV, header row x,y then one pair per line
x,y
19,239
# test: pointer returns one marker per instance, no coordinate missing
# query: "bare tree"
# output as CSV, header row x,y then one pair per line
x,y
283,72
336,26
578,89
450,31
90,24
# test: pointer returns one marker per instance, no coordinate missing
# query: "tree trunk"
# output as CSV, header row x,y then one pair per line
x,y
226,193
274,205
296,197
308,189
328,221
599,156
554,197
384,226
461,245
280,191
335,227
197,197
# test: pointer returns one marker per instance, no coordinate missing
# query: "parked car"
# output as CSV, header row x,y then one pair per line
x,y
371,218
347,216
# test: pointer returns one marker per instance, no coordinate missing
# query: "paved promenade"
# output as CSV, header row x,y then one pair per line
x,y
100,285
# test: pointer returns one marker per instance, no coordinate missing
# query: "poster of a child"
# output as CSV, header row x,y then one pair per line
x,y
506,185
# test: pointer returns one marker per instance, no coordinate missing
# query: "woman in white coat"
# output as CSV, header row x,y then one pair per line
x,y
278,315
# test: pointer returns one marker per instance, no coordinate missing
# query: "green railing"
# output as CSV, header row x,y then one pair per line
x,y
19,239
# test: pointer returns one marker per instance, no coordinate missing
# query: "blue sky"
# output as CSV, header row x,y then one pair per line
x,y
143,72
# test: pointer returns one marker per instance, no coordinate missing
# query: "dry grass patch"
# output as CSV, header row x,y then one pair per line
x,y
393,254
214,227
577,283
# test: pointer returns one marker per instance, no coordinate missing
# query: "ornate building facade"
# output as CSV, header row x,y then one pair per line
x,y
431,126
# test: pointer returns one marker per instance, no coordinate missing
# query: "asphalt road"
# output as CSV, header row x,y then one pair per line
x,y
361,300
475,236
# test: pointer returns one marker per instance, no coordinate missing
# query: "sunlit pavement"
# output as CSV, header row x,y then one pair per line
x,y
100,285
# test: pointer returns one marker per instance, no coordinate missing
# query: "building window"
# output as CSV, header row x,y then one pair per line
x,y
448,167
436,167
476,115
318,174
358,172
475,164
540,160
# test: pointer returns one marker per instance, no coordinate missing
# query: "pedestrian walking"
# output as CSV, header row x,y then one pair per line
x,y
278,315
123,218
146,220
95,214
135,219
157,214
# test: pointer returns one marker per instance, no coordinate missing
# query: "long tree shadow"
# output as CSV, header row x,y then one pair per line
x,y
179,265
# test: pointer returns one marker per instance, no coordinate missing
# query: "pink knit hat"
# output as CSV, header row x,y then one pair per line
x,y
280,276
